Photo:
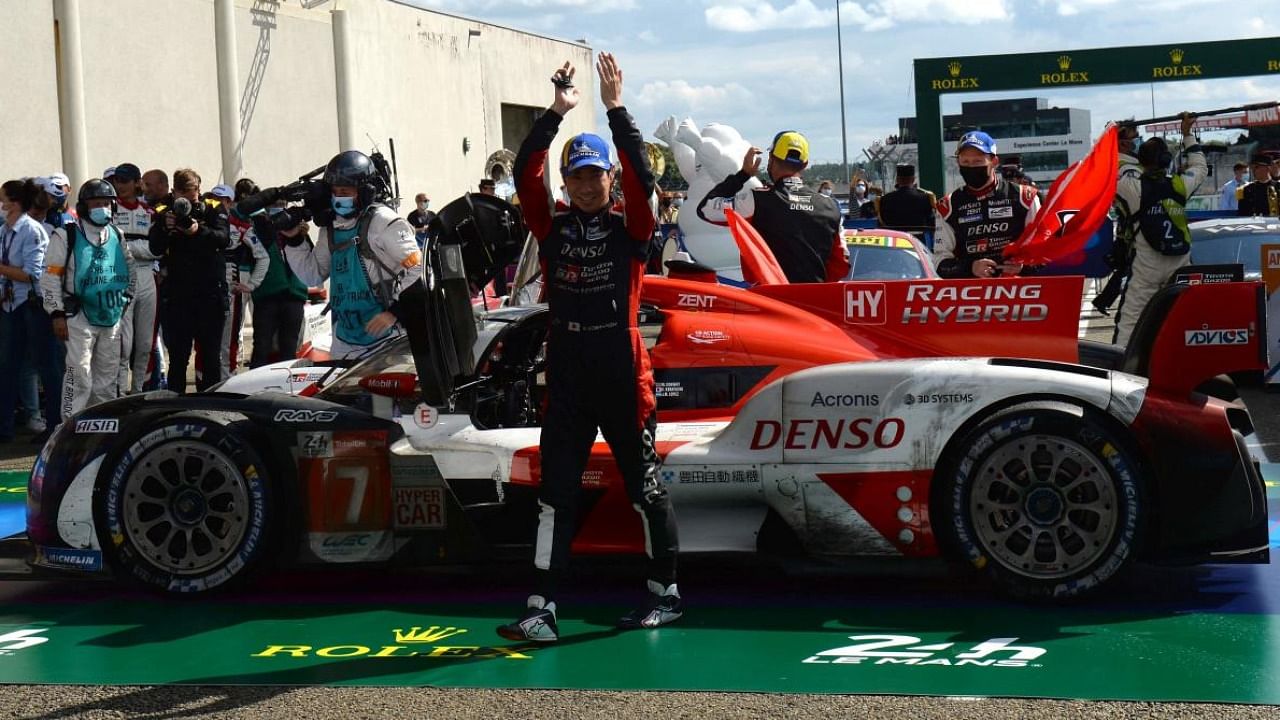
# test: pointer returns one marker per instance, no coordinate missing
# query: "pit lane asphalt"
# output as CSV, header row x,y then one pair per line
x,y
66,701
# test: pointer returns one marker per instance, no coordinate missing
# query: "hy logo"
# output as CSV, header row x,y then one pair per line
x,y
1064,62
954,68
432,634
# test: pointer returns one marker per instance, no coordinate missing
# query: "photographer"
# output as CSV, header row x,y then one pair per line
x,y
86,286
189,238
279,301
367,252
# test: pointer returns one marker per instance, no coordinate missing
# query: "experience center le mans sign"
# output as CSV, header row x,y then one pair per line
x,y
1100,66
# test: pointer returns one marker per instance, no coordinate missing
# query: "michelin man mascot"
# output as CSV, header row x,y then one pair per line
x,y
705,158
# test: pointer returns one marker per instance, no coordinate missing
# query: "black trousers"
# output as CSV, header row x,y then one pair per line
x,y
277,323
193,318
593,383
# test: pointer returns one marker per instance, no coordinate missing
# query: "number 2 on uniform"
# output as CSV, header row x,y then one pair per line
x,y
1168,230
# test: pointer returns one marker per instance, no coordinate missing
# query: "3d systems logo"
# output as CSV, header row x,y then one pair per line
x,y
875,650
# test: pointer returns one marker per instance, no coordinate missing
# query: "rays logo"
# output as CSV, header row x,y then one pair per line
x,y
305,416
875,650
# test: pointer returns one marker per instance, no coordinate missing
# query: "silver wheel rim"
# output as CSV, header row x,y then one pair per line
x,y
1044,507
186,507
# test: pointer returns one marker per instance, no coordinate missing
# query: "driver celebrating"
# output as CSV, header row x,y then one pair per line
x,y
976,221
598,374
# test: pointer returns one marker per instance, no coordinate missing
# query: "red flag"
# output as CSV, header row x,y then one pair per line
x,y
759,266
1075,207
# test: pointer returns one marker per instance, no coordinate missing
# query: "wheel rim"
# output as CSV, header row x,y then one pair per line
x,y
186,507
1044,506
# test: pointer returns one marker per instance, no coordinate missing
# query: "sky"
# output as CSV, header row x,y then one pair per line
x,y
768,65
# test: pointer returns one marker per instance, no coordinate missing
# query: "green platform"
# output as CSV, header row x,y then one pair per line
x,y
1209,634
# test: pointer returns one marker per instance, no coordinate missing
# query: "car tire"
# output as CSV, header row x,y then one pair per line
x,y
186,508
1045,499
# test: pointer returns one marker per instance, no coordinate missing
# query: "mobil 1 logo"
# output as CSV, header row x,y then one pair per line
x,y
909,651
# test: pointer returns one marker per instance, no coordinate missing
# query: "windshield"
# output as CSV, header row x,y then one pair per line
x,y
1243,248
874,262
395,357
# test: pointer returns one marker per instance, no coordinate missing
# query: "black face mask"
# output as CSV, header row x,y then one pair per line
x,y
976,177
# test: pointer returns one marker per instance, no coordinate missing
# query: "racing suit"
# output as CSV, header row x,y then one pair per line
x,y
138,331
801,227
194,295
244,252
598,373
1121,257
88,279
976,224
366,276
1162,242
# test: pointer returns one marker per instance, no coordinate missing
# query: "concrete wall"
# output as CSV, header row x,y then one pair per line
x,y
151,96
29,138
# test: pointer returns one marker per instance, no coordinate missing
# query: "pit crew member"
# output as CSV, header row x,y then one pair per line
x,y
976,221
86,286
138,331
598,374
367,252
801,227
1162,241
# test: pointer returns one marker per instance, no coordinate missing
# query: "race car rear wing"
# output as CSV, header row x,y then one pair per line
x,y
1189,334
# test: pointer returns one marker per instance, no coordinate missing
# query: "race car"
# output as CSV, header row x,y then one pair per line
x,y
879,254
914,418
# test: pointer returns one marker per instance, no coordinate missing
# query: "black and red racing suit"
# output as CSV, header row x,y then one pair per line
x,y
598,372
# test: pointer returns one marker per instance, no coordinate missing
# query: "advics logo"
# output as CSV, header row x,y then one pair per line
x,y
1206,336
873,650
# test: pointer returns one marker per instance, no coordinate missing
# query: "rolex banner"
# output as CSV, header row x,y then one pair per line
x,y
1271,276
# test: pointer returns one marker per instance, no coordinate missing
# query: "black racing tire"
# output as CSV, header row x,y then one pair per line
x,y
1045,499
187,508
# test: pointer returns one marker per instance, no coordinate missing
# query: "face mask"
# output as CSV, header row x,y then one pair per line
x,y
344,206
100,215
826,191
422,206
975,177
860,189
677,202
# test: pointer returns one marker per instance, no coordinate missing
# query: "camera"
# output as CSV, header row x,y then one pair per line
x,y
288,218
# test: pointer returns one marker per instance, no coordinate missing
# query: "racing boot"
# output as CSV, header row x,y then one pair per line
x,y
662,607
538,624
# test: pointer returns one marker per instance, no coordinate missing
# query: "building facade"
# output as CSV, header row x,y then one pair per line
x,y
1043,140
271,89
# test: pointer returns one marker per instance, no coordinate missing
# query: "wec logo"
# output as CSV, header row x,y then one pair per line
x,y
1217,337
306,416
873,650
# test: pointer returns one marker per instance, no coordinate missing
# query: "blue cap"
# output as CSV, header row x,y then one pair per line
x,y
977,139
585,150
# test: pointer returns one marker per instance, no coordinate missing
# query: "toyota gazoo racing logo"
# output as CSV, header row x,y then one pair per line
x,y
908,650
305,416
1205,336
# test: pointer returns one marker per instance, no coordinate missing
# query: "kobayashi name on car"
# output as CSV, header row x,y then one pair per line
x,y
823,433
